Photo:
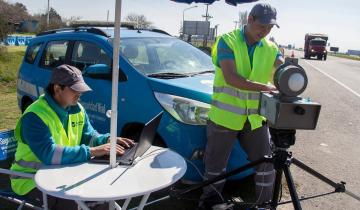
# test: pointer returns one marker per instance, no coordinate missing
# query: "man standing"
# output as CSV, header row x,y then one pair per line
x,y
244,60
55,129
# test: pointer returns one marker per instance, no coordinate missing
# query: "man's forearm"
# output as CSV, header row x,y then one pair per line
x,y
232,78
237,81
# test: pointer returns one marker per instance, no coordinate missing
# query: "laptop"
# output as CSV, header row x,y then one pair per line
x,y
141,146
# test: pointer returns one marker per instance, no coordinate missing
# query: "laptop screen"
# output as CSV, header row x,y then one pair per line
x,y
147,135
144,143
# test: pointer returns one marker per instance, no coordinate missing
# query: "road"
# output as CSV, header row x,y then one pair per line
x,y
333,148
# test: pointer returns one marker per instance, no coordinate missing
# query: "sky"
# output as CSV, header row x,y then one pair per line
x,y
340,19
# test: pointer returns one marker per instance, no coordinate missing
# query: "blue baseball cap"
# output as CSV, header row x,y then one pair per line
x,y
265,13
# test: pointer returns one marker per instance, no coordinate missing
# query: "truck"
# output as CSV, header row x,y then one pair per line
x,y
315,46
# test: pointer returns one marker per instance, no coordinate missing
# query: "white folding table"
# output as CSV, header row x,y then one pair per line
x,y
156,169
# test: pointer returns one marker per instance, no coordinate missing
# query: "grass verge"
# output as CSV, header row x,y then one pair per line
x,y
10,60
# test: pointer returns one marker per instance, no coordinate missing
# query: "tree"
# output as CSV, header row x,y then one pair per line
x,y
4,28
55,20
11,15
139,21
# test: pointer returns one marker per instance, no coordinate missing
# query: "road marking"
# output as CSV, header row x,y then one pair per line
x,y
335,80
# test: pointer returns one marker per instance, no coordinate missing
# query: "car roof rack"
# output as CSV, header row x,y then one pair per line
x,y
159,31
87,29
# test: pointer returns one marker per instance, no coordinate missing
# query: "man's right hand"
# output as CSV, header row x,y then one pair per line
x,y
105,150
269,88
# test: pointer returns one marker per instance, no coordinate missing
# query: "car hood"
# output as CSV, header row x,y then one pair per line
x,y
198,87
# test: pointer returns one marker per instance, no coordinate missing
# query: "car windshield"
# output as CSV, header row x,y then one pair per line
x,y
158,56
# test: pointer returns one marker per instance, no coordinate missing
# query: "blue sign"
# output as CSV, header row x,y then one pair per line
x,y
8,144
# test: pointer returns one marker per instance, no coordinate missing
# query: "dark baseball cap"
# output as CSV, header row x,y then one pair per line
x,y
69,76
265,13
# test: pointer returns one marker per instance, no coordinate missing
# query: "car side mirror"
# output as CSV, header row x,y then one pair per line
x,y
102,71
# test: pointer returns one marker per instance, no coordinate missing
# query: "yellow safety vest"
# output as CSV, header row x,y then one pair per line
x,y
231,107
25,159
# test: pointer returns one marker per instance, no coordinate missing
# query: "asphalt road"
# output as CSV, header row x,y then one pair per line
x,y
333,148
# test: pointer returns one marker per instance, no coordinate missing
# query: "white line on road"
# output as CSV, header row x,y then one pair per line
x,y
335,80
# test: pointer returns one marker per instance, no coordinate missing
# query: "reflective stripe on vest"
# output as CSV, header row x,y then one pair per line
x,y
231,107
234,109
25,159
19,177
237,93
28,164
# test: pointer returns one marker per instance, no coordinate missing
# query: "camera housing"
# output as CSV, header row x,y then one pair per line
x,y
286,109
298,114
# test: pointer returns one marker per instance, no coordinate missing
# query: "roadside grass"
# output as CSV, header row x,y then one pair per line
x,y
10,60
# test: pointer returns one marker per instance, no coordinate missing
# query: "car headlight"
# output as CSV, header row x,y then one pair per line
x,y
183,109
312,50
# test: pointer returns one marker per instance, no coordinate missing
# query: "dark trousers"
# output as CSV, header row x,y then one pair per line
x,y
35,197
256,144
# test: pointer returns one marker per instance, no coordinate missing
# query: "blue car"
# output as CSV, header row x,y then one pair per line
x,y
157,72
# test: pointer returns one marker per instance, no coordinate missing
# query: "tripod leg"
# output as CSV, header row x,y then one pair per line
x,y
220,177
311,171
274,201
292,189
339,187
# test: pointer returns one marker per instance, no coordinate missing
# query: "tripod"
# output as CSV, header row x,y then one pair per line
x,y
282,159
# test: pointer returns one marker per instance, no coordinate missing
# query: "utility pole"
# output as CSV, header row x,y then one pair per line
x,y
236,23
107,19
48,15
207,17
216,30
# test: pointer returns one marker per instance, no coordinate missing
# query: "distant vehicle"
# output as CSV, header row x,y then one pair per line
x,y
315,45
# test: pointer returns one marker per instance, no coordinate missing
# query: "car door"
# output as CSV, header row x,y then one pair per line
x,y
97,101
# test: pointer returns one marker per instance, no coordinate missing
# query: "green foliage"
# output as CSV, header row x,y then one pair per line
x,y
10,60
55,20
4,28
139,21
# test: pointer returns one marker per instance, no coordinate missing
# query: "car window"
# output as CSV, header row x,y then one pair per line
x,y
157,55
54,54
86,53
32,52
136,53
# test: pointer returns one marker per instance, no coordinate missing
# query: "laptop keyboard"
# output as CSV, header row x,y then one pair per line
x,y
128,154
